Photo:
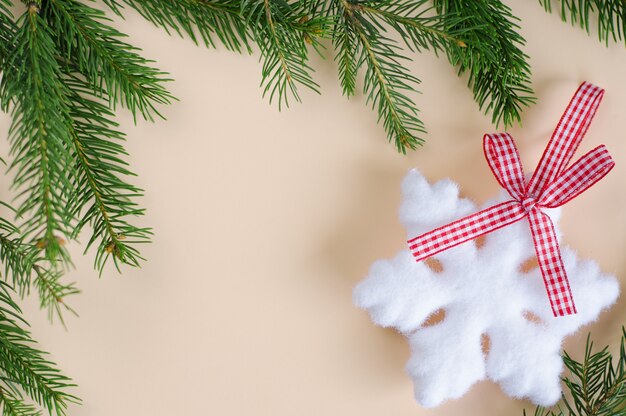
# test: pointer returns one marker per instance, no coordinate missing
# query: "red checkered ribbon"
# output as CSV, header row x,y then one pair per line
x,y
551,185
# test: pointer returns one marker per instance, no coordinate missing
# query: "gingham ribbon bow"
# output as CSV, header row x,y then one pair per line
x,y
551,185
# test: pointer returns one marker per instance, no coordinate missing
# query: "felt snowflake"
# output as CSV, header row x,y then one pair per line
x,y
449,305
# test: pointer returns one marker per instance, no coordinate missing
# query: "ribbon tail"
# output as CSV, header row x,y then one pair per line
x,y
551,264
465,229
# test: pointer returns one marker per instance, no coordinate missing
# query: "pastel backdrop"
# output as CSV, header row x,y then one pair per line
x,y
264,221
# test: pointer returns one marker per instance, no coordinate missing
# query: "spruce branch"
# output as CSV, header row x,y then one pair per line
x,y
346,44
596,386
610,16
23,269
282,31
25,368
83,37
7,29
499,72
481,40
11,405
416,22
16,256
209,19
386,80
42,162
102,197
64,142
52,292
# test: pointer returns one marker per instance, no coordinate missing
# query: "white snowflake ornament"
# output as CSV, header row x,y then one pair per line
x,y
449,305
482,291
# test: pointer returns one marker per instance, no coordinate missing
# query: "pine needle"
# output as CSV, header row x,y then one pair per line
x,y
609,16
498,70
596,385
387,85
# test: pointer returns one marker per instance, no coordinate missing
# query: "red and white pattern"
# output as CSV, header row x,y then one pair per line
x,y
551,185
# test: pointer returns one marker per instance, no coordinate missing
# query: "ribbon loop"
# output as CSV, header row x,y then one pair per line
x,y
567,136
505,163
551,185
588,170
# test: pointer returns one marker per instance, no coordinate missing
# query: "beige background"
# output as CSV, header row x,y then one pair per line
x,y
265,221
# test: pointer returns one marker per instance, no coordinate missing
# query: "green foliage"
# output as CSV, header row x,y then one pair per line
x,y
52,291
11,405
609,16
346,43
22,268
480,39
596,386
39,136
67,154
7,28
498,70
417,23
208,19
113,68
362,42
17,258
102,197
282,31
24,368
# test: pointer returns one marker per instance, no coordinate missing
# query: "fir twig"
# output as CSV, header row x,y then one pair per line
x,y
102,198
109,64
23,270
417,23
11,405
499,72
7,29
480,39
25,368
346,44
39,134
610,16
282,31
67,154
358,42
209,19
16,256
596,386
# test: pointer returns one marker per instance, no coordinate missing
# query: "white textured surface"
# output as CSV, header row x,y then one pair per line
x,y
482,291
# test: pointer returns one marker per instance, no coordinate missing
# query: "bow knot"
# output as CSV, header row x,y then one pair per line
x,y
552,185
528,203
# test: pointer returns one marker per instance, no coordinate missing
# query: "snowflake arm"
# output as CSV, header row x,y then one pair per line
x,y
391,290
